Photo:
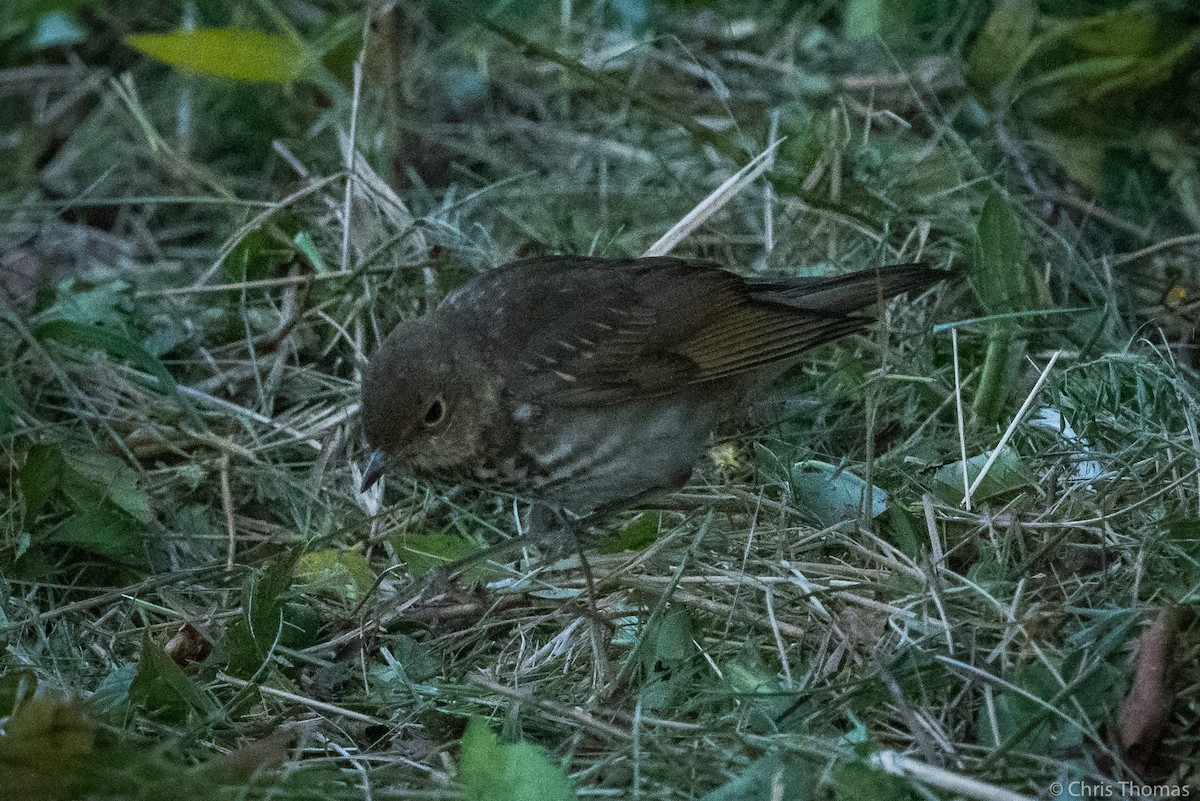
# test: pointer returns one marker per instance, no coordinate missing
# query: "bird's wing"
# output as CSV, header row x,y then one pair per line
x,y
779,319
633,329
584,332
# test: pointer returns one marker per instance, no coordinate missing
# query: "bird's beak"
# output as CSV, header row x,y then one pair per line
x,y
374,471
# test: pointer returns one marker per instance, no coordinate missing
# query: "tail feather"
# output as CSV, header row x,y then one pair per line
x,y
845,294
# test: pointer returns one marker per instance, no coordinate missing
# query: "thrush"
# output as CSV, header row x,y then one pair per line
x,y
581,384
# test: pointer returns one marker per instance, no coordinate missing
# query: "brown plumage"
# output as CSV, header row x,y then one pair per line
x,y
581,383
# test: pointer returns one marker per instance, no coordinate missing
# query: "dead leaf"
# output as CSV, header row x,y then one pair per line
x,y
379,216
22,272
188,646
1148,704
250,759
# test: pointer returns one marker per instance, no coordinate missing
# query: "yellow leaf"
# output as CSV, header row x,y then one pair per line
x,y
241,55
42,748
346,573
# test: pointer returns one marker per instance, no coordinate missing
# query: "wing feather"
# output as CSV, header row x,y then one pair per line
x,y
620,330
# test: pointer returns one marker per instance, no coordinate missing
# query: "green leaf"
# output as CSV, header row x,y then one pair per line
x,y
1146,72
1001,254
768,778
636,536
424,553
905,534
863,19
347,574
831,495
259,254
264,621
1172,155
304,242
91,337
1081,156
1005,352
1019,715
1003,45
1082,73
339,43
747,675
8,404
90,476
242,55
891,21
1092,677
162,688
40,476
856,781
761,697
1184,533
1025,724
999,275
112,693
667,657
106,304
1007,474
491,771
1095,683
417,661
1129,31
105,531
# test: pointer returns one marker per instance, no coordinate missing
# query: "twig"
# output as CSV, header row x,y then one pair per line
x,y
714,202
1012,427
962,431
311,703
227,508
899,765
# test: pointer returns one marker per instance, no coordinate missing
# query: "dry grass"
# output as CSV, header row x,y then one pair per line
x,y
940,650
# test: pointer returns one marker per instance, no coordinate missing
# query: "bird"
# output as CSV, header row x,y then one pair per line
x,y
584,384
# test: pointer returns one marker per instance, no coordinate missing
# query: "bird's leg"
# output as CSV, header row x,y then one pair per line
x,y
598,640
603,511
556,531
571,530
453,570
571,533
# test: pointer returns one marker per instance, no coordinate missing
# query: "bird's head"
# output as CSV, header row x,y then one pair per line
x,y
426,399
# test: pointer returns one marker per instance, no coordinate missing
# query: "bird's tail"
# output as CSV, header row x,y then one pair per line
x,y
845,294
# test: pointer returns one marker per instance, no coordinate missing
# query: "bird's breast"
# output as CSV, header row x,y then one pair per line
x,y
582,458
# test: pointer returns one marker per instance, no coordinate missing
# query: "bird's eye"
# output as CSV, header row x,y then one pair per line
x,y
436,412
